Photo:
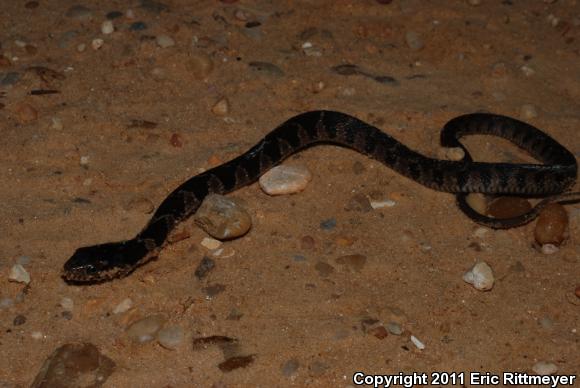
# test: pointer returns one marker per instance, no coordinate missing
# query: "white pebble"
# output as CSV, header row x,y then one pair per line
x,y
285,180
96,44
170,337
382,204
527,70
19,274
36,335
144,330
164,41
107,27
125,305
84,160
210,243
545,368
67,304
480,276
528,111
56,124
549,249
420,345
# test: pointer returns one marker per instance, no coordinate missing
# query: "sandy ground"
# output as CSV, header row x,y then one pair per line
x,y
79,168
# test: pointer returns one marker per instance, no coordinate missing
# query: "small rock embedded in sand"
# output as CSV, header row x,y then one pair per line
x,y
290,367
19,320
354,263
420,345
19,274
222,218
324,269
508,207
221,108
477,202
140,205
358,202
480,276
527,70
67,304
200,65
107,27
97,43
544,368
413,40
206,265
285,180
455,153
74,365
549,249
145,329
552,225
394,328
528,111
210,243
164,41
382,204
124,306
170,337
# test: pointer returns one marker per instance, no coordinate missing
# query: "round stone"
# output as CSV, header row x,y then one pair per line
x,y
285,180
222,217
480,276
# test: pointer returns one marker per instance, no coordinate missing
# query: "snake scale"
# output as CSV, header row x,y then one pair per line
x,y
557,174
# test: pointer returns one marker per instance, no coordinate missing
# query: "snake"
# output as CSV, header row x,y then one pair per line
x,y
550,179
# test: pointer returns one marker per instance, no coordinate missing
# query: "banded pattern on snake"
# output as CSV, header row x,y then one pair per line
x,y
107,261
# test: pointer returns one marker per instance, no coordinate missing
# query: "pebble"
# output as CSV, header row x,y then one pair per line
x,y
170,337
221,108
6,303
527,70
266,68
290,367
394,328
19,274
75,365
204,267
114,15
544,368
480,276
210,243
56,124
577,292
413,40
107,27
549,249
79,12
138,26
285,180
528,111
552,225
19,320
382,204
359,202
508,207
9,78
546,323
67,304
97,43
25,113
420,345
454,153
324,269
477,202
145,329
222,218
307,243
200,65
328,224
354,263
124,306
164,41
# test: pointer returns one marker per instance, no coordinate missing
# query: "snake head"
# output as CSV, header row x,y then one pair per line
x,y
99,263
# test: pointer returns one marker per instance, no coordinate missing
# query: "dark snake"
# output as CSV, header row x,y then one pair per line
x,y
557,174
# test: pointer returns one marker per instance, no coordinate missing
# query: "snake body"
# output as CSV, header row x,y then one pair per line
x,y
557,174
